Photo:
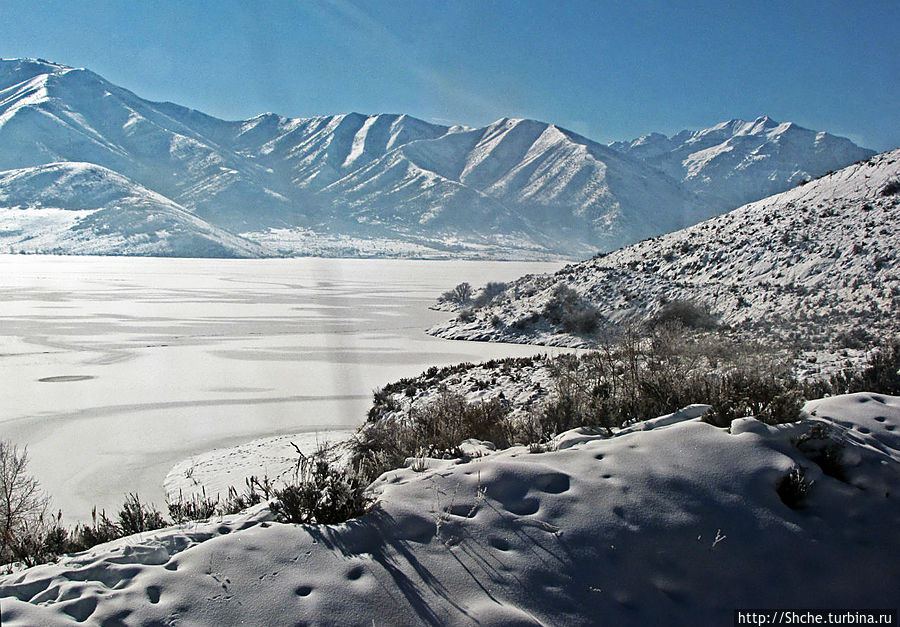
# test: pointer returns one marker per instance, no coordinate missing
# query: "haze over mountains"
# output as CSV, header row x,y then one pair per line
x,y
355,184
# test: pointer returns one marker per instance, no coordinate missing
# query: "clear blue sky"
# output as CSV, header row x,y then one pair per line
x,y
609,70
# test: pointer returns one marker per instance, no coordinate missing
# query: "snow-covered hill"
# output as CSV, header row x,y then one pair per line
x,y
737,162
816,263
514,189
85,209
671,521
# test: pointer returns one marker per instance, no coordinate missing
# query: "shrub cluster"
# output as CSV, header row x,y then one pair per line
x,y
434,430
43,537
320,494
30,535
881,374
570,311
688,313
645,376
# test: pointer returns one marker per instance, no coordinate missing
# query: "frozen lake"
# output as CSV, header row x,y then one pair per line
x,y
113,369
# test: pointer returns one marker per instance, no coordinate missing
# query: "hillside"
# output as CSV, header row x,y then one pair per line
x,y
371,185
85,209
814,264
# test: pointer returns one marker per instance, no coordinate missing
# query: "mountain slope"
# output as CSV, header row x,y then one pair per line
x,y
81,208
514,189
737,162
816,262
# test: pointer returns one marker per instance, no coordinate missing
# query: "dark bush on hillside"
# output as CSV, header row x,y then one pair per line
x,y
571,312
893,187
488,294
691,314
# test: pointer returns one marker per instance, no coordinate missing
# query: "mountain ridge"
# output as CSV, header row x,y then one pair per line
x,y
516,188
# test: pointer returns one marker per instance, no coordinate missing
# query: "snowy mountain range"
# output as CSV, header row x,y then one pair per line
x,y
381,184
737,162
815,263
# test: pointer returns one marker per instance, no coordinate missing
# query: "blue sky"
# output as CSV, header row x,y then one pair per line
x,y
609,70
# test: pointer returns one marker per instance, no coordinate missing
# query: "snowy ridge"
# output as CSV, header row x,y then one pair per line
x,y
736,162
85,209
818,260
385,177
673,521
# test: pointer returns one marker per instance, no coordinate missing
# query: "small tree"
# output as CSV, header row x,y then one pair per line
x,y
459,295
23,505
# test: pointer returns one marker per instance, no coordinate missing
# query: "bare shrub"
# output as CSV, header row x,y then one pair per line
x,y
23,505
460,295
137,517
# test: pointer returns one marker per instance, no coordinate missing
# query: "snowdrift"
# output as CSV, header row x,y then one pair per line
x,y
672,521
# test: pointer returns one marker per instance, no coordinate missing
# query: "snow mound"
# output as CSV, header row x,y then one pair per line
x,y
677,524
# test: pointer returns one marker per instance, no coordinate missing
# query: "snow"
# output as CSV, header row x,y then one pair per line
x,y
675,524
214,472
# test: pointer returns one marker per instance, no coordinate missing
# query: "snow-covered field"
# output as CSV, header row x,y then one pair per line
x,y
116,369
670,522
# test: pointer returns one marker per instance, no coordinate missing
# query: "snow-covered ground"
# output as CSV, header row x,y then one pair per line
x,y
147,362
213,472
671,521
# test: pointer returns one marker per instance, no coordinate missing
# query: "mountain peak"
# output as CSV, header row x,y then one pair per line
x,y
15,71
